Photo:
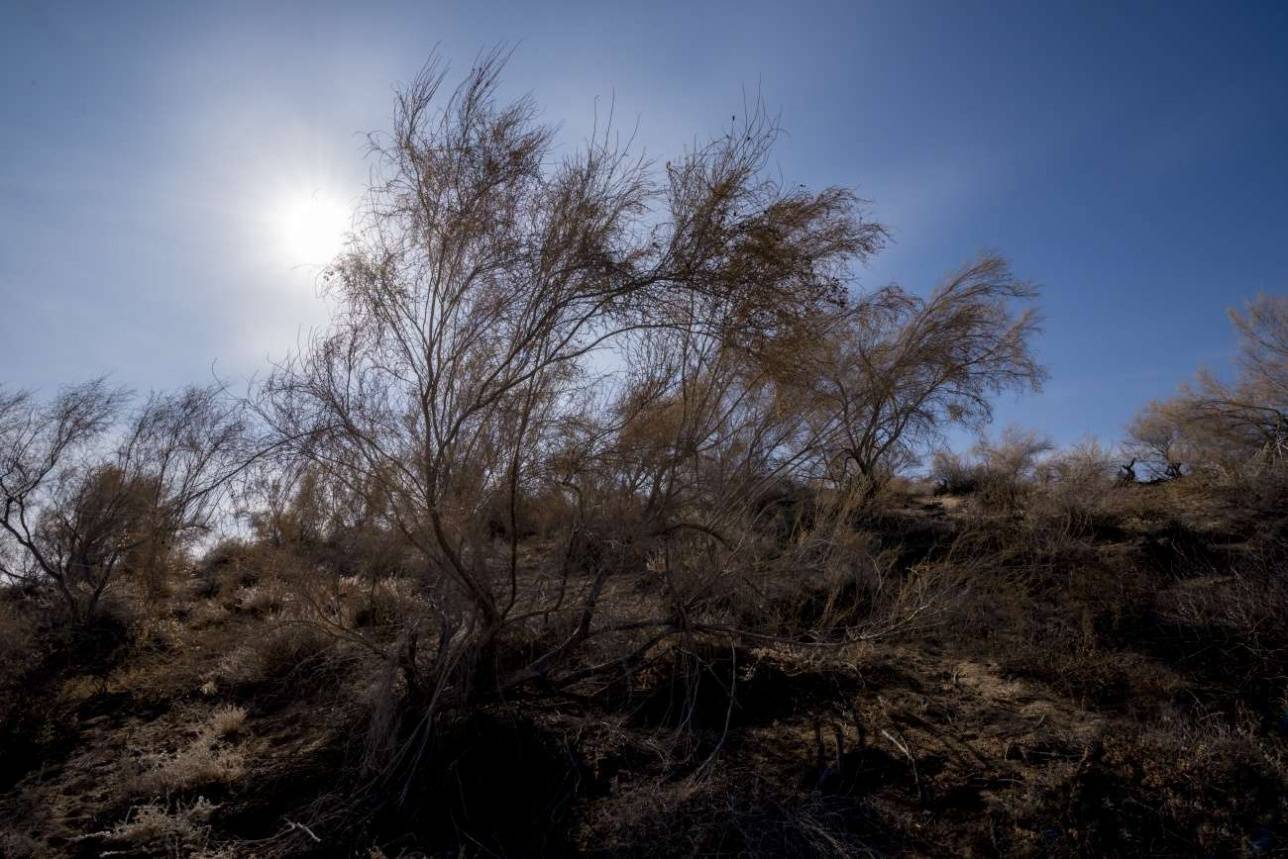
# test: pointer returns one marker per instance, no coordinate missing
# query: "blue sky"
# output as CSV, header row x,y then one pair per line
x,y
1128,157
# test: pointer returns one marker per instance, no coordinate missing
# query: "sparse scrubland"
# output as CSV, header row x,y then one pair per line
x,y
610,517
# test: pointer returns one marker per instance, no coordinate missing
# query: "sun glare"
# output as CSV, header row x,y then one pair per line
x,y
312,228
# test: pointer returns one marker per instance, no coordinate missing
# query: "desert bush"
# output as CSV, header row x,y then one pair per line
x,y
451,394
1009,468
954,474
1076,486
1022,471
1159,437
382,603
224,722
1185,786
17,640
286,649
1228,431
203,762
18,845
206,614
836,582
86,495
740,815
267,598
898,369
1225,631
228,563
179,830
1001,475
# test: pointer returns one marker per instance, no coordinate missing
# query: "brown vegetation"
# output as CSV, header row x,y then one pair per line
x,y
591,527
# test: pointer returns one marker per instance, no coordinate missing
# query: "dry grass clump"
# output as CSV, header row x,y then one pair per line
x,y
269,597
238,668
159,633
381,602
737,815
285,652
209,758
225,721
202,763
206,614
178,830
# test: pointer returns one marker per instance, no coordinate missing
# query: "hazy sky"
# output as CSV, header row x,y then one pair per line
x,y
1133,161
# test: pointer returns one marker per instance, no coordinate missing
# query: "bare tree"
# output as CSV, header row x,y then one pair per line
x,y
1255,406
1159,435
898,368
41,449
480,281
85,496
1226,427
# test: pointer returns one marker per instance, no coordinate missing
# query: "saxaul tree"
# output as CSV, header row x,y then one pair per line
x,y
482,278
1255,407
1161,437
887,375
90,487
1225,427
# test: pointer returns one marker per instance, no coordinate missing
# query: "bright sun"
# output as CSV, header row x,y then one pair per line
x,y
312,228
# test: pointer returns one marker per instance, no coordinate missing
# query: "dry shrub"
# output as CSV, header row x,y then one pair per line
x,y
228,565
208,614
225,721
94,489
954,474
1228,632
834,577
1254,491
1008,588
1145,507
269,597
288,654
738,814
159,633
238,669
1186,787
379,603
1000,475
205,761
17,845
179,831
17,641
830,580
1075,487
541,514
1251,605
1009,468
1107,680
1178,787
